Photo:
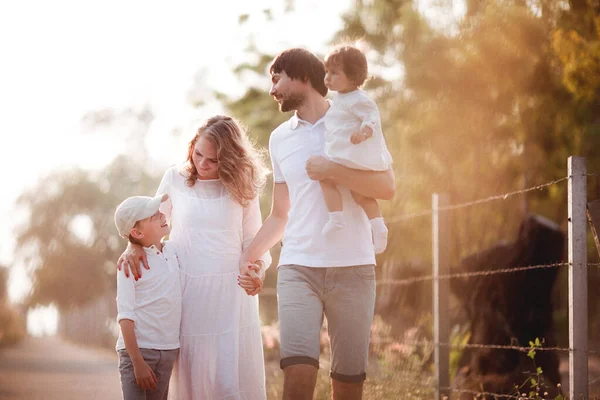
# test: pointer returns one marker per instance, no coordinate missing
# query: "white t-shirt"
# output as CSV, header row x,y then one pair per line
x,y
349,113
153,302
304,244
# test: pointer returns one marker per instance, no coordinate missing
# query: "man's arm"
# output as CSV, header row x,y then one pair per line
x,y
375,184
271,230
273,227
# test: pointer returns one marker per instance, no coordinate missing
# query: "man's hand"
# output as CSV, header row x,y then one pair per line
x,y
318,168
359,137
144,376
130,260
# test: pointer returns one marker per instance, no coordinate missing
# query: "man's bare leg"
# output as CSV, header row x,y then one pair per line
x,y
346,391
299,382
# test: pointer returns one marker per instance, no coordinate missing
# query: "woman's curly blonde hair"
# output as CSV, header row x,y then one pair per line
x,y
240,165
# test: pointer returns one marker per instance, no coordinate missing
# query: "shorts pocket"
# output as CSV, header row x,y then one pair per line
x,y
365,272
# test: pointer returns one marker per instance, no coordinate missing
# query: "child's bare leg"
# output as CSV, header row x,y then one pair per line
x,y
333,200
378,228
369,204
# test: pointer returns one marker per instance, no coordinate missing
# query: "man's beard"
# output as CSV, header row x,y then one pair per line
x,y
293,102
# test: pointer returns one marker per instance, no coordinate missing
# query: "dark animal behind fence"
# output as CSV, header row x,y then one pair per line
x,y
510,309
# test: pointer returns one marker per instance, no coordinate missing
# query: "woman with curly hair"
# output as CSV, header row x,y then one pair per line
x,y
214,211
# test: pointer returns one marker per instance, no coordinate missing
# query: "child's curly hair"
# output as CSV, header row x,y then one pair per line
x,y
352,61
240,166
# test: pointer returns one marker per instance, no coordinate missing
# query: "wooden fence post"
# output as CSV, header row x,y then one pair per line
x,y
441,293
578,280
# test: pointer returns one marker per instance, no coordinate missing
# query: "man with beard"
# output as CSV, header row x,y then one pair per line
x,y
318,276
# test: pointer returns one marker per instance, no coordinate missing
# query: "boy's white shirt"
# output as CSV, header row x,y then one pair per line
x,y
153,302
290,146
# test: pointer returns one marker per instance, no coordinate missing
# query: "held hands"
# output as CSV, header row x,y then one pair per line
x,y
251,276
130,261
362,135
144,376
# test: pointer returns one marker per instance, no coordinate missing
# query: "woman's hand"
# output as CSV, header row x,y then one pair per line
x,y
130,260
252,275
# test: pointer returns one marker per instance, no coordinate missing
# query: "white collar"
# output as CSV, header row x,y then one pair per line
x,y
296,120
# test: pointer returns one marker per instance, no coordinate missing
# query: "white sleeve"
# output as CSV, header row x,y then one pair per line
x,y
251,223
125,297
366,110
277,175
166,187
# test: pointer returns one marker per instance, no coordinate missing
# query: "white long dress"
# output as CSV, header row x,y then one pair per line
x,y
221,355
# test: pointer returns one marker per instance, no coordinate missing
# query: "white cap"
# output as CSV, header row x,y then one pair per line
x,y
135,209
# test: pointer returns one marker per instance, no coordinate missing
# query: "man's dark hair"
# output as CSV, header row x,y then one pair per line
x,y
303,65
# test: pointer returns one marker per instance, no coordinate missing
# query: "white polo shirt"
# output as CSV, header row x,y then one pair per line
x,y
290,146
153,302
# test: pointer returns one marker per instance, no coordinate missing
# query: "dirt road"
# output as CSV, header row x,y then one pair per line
x,y
51,369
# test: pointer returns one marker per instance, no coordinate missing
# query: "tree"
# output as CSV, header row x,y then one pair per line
x,y
481,108
487,104
495,102
12,324
69,242
3,284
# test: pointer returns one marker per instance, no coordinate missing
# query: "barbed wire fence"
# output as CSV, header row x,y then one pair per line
x,y
577,276
577,285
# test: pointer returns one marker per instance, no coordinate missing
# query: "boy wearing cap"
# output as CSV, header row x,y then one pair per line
x,y
149,309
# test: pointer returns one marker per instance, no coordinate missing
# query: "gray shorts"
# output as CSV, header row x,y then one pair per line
x,y
346,297
161,362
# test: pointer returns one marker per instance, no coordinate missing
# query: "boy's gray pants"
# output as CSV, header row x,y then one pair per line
x,y
161,362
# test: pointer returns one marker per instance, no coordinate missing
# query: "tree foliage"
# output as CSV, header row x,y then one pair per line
x,y
12,324
487,103
69,241
3,284
495,103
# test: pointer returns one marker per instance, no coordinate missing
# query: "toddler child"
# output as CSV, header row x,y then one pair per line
x,y
353,137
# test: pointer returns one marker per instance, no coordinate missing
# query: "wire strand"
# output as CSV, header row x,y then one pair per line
x,y
521,349
503,196
409,281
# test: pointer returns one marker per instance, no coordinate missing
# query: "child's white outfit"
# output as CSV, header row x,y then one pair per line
x,y
349,113
153,303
